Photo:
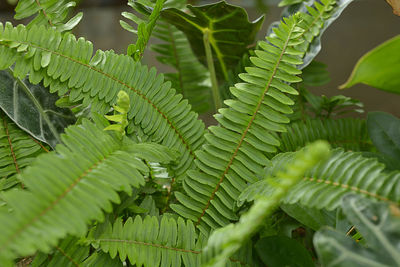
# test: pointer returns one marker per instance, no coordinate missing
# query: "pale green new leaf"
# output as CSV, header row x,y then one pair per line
x,y
379,68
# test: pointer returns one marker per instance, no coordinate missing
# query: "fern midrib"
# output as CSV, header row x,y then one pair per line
x,y
52,205
122,83
156,246
145,244
247,128
10,145
67,256
351,188
40,144
44,12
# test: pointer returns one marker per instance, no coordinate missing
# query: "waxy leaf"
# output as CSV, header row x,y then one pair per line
x,y
379,68
32,108
379,226
384,130
230,32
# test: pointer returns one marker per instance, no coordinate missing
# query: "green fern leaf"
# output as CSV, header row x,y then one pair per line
x,y
149,242
349,133
191,78
145,26
48,12
236,150
17,151
323,186
225,241
67,254
61,60
87,171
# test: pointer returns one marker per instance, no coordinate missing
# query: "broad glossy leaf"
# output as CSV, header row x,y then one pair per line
x,y
35,112
379,68
277,251
384,130
230,31
378,224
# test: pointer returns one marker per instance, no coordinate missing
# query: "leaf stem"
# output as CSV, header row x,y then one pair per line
x,y
211,68
37,105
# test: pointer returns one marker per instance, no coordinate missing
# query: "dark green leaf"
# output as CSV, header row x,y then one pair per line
x,y
35,112
384,130
278,251
315,74
230,31
378,225
379,68
311,217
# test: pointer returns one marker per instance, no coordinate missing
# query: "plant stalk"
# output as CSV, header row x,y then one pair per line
x,y
211,69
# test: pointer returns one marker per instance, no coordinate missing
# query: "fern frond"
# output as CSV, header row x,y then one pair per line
x,y
325,184
68,253
61,60
191,78
145,27
236,151
349,133
225,241
313,21
149,242
17,150
48,12
87,170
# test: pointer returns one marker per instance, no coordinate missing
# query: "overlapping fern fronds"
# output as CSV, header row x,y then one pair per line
x,y
324,185
72,186
191,78
349,133
63,62
17,150
237,150
227,240
48,12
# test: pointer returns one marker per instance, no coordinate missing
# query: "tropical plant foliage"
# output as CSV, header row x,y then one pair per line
x,y
104,162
